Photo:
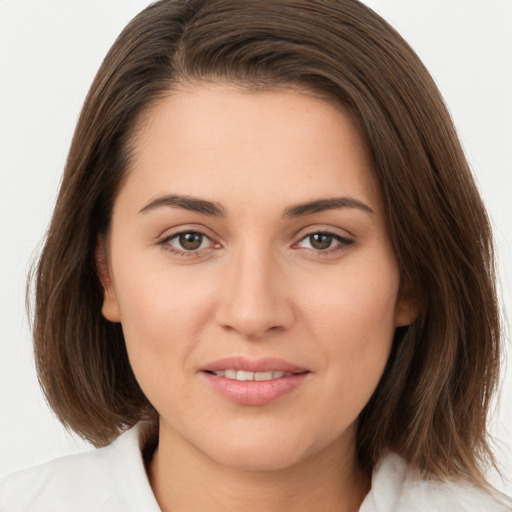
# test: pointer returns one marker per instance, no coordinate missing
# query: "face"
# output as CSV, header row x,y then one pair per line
x,y
249,266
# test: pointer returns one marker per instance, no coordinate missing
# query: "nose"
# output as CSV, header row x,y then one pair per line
x,y
254,295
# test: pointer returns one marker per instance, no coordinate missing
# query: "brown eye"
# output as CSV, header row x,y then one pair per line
x,y
325,243
320,241
190,241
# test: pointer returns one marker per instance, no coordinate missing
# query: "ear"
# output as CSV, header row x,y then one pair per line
x,y
406,309
110,308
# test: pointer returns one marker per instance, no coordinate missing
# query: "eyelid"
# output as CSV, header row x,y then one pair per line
x,y
167,235
171,231
345,240
343,236
328,230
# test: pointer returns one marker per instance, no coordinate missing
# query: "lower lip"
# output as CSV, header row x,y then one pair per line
x,y
255,392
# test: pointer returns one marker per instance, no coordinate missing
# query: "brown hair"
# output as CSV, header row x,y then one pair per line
x,y
431,404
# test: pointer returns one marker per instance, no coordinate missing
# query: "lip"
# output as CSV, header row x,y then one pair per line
x,y
254,393
267,364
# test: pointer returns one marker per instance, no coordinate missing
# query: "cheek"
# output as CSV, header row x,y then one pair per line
x,y
356,304
162,314
352,320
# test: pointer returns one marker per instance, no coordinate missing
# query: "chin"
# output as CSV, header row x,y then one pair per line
x,y
268,453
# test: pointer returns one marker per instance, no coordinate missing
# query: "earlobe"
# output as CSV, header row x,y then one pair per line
x,y
406,310
110,308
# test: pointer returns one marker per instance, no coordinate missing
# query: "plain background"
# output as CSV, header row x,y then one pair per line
x,y
49,53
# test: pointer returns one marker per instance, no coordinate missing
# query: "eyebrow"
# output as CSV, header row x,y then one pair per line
x,y
214,209
186,202
320,205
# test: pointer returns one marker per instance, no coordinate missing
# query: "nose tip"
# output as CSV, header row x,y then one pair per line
x,y
255,302
253,321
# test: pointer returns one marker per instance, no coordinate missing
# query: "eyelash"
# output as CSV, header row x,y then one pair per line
x,y
343,243
165,243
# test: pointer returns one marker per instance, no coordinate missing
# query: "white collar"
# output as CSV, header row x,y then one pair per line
x,y
395,487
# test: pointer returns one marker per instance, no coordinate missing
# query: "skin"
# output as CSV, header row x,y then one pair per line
x,y
259,285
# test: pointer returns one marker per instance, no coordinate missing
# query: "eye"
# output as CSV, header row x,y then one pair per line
x,y
190,241
186,242
324,242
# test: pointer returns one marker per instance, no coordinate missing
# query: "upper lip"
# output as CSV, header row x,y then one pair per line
x,y
267,364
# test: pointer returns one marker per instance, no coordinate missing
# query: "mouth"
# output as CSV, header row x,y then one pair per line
x,y
254,382
245,376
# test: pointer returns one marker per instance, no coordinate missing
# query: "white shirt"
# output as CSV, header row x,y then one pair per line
x,y
113,479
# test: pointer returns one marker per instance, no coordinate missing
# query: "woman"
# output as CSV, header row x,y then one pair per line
x,y
269,258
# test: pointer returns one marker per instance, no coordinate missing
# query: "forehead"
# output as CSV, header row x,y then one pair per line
x,y
224,142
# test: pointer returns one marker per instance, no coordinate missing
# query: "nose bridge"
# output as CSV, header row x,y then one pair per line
x,y
255,298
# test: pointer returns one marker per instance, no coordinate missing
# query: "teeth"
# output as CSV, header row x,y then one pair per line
x,y
243,375
263,376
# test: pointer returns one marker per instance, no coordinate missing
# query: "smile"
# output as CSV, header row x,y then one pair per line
x,y
243,375
245,381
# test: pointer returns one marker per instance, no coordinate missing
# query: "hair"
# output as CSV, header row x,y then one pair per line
x,y
431,404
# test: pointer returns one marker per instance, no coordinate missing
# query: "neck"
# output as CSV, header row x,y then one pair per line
x,y
186,480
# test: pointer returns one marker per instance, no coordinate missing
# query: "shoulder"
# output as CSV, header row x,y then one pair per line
x,y
109,479
395,488
76,482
